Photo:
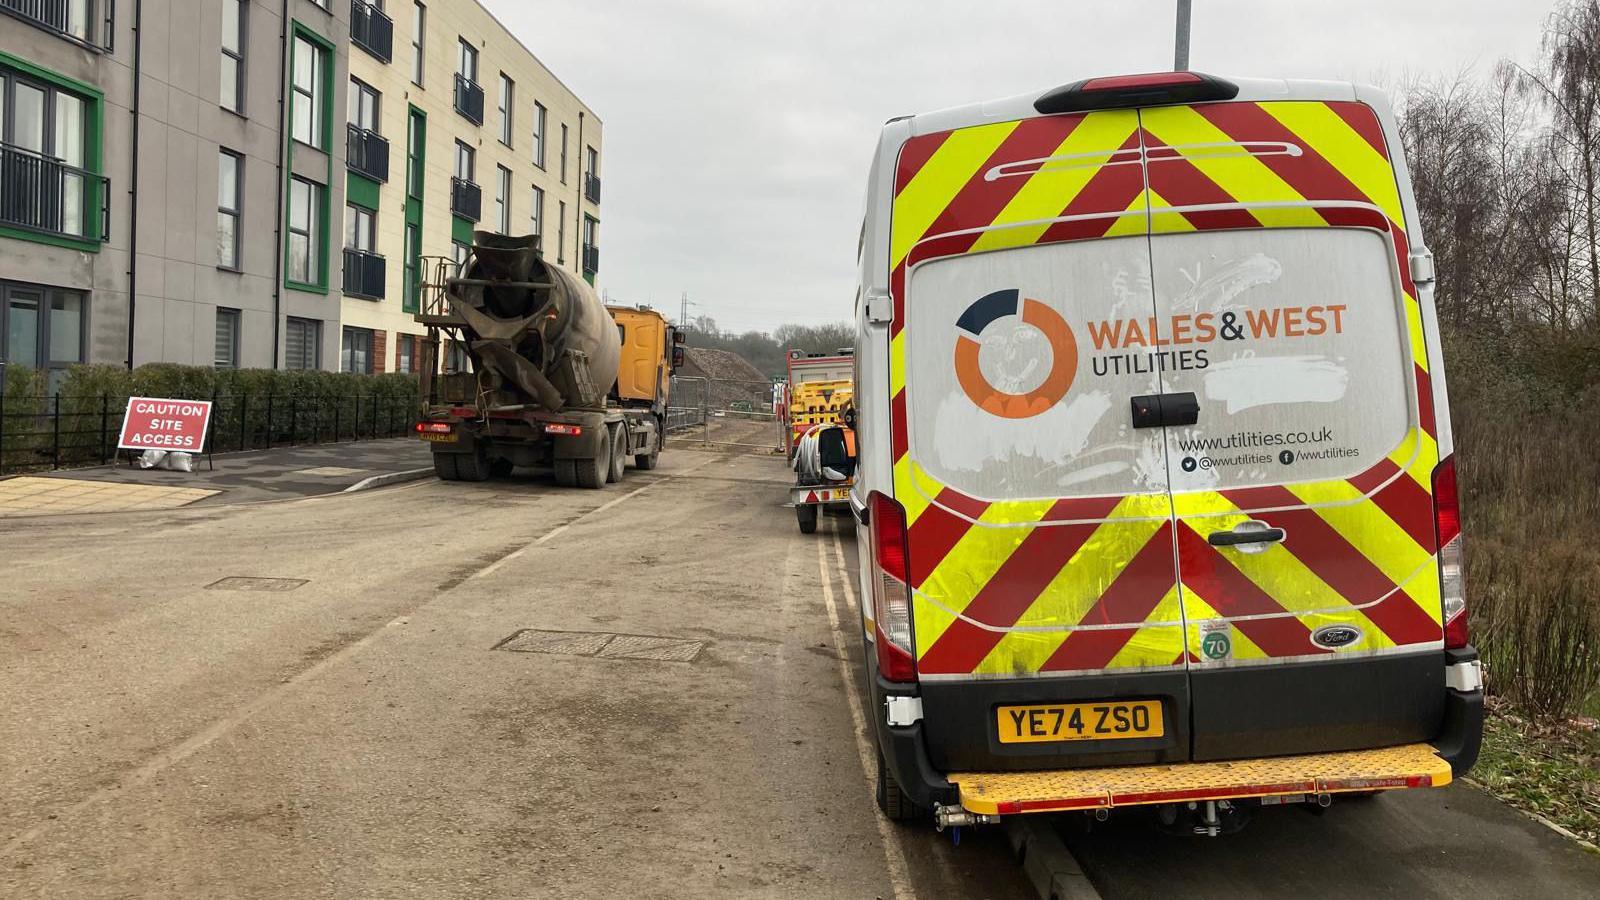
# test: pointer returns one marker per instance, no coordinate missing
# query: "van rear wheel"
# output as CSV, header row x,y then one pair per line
x,y
893,802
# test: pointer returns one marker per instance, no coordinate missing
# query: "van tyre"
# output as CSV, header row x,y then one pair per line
x,y
808,518
893,802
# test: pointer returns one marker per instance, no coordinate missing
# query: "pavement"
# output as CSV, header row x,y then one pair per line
x,y
510,689
277,474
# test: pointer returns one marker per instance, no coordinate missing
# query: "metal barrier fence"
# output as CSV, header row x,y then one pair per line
x,y
51,432
724,412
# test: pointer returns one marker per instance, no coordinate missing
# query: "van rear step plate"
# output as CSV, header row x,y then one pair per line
x,y
1390,768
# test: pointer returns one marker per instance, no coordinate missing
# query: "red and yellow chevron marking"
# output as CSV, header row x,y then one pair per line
x,y
1026,587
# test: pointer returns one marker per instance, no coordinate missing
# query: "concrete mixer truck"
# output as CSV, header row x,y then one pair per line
x,y
537,372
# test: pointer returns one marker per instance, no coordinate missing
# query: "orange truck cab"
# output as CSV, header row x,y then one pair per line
x,y
1155,497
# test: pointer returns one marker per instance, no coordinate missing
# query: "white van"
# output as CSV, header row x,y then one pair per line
x,y
1155,456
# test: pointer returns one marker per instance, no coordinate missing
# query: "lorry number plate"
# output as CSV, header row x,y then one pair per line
x,y
438,438
1080,721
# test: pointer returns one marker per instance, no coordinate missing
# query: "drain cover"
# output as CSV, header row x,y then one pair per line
x,y
632,646
247,583
602,644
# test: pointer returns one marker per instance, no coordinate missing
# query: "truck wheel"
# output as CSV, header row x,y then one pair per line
x,y
619,438
808,519
647,461
566,472
472,466
894,803
500,467
444,465
591,473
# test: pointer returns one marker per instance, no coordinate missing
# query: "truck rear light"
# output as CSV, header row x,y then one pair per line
x,y
433,427
562,428
1452,560
1125,91
891,590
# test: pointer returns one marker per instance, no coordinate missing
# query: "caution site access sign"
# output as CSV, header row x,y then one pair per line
x,y
152,423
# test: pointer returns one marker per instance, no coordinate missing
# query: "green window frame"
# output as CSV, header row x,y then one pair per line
x,y
96,189
321,232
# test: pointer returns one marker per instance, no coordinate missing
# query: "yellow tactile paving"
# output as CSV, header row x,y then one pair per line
x,y
1002,793
34,496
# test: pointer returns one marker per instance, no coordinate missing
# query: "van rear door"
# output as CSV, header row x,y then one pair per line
x,y
1040,530
1302,493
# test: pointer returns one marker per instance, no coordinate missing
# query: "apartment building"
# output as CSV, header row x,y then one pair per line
x,y
204,182
454,125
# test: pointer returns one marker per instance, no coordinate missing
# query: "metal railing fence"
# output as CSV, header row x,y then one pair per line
x,y
53,432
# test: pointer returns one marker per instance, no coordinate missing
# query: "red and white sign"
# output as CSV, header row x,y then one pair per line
x,y
155,424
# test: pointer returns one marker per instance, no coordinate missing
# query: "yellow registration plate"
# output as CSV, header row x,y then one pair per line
x,y
438,438
1115,720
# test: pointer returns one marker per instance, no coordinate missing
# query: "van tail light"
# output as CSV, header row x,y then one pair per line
x,y
1125,91
891,590
1452,562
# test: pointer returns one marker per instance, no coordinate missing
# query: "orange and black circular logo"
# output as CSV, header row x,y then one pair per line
x,y
991,308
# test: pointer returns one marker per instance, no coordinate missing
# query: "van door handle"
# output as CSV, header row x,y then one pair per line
x,y
1247,532
1156,410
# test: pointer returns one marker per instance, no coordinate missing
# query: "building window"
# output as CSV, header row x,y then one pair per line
x,y
502,201
508,91
305,241
41,328
563,154
356,352
404,346
416,137
233,23
536,215
363,110
44,148
230,171
302,344
419,28
540,117
467,62
308,105
321,3
226,354
411,302
561,232
458,253
358,228
466,161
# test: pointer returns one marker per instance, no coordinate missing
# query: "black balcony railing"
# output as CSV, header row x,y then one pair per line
x,y
371,30
42,193
80,26
363,274
366,152
591,259
466,199
591,188
469,99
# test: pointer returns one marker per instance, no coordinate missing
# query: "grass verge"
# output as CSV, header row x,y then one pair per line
x,y
1553,771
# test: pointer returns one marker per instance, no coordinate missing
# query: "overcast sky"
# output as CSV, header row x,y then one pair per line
x,y
738,132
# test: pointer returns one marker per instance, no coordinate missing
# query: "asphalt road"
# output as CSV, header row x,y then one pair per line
x,y
514,690
357,734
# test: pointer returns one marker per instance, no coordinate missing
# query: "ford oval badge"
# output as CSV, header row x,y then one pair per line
x,y
1334,637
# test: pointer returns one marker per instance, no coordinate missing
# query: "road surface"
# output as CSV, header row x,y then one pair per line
x,y
514,690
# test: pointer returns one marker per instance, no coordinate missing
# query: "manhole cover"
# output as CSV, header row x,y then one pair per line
x,y
247,583
603,644
632,646
571,643
329,471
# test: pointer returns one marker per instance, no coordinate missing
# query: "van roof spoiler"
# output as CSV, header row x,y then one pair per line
x,y
1125,91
